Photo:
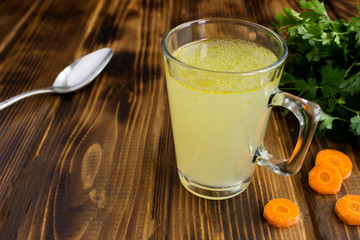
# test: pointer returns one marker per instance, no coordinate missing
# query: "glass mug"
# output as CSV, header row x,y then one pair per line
x,y
219,122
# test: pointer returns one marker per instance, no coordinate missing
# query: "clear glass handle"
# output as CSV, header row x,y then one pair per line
x,y
308,114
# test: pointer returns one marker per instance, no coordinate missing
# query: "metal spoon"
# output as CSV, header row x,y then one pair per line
x,y
73,77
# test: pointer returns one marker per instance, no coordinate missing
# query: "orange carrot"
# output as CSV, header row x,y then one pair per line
x,y
325,179
281,212
347,209
337,159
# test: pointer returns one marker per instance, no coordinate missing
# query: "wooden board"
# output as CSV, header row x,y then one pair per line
x,y
100,163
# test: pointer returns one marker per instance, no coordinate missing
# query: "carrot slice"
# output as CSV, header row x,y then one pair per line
x,y
325,179
347,209
337,159
281,212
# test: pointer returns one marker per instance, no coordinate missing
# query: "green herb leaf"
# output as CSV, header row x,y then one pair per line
x,y
355,124
316,6
326,121
323,64
351,85
331,79
287,79
308,87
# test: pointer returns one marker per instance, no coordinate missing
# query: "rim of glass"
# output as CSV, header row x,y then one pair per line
x,y
276,64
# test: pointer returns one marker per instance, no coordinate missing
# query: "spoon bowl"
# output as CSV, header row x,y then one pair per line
x,y
73,77
82,72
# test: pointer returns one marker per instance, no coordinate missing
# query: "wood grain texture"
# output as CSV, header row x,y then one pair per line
x,y
100,163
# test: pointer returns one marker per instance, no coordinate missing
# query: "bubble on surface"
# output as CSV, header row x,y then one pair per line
x,y
225,58
226,55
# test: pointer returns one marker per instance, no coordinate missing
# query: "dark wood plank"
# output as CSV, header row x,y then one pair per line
x,y
342,9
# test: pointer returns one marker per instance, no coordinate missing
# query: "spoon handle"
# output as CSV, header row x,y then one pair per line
x,y
23,95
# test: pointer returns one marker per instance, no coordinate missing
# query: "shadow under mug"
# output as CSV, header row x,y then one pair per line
x,y
218,134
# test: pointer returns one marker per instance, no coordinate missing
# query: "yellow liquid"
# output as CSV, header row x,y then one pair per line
x,y
219,119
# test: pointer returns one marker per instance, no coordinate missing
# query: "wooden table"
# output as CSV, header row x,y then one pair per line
x,y
100,163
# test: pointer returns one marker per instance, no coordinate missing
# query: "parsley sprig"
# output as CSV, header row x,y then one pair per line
x,y
324,65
